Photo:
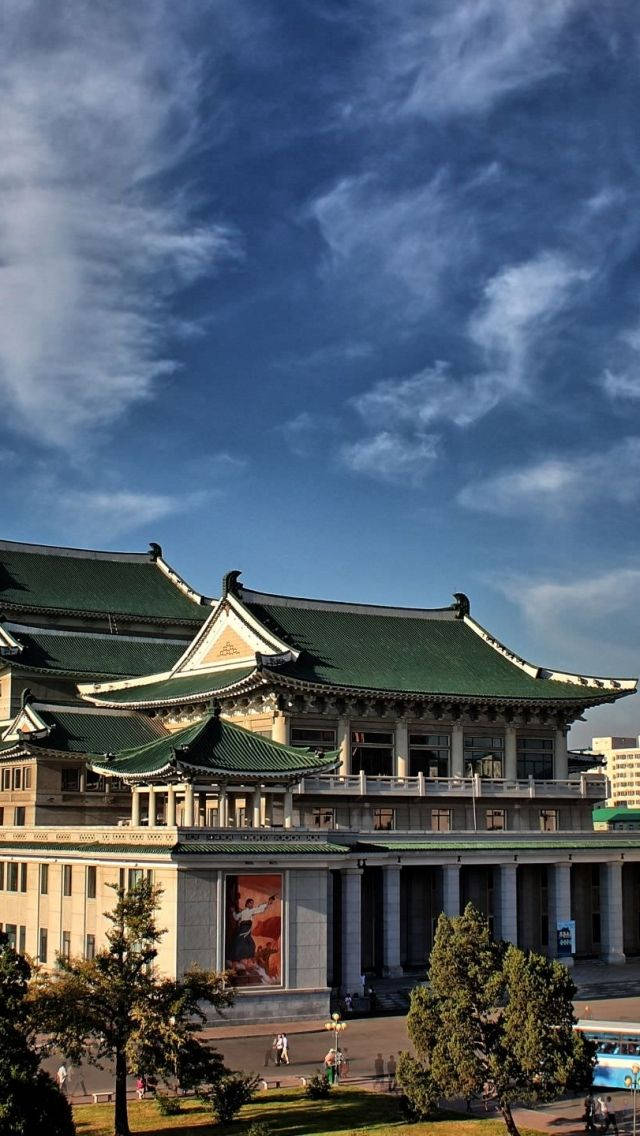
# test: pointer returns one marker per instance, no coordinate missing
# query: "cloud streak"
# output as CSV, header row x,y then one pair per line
x,y
98,103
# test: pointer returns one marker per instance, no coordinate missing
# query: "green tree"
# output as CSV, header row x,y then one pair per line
x,y
117,1007
31,1104
496,1019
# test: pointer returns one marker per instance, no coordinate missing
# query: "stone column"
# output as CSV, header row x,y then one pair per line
x,y
257,807
223,807
391,919
510,771
280,729
402,748
457,750
508,903
288,808
188,805
344,743
611,926
351,930
171,806
135,806
451,889
559,905
153,804
561,760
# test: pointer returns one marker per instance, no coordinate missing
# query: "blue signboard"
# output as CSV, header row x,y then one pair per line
x,y
566,931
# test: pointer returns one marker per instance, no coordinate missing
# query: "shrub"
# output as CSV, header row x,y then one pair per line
x,y
318,1087
420,1096
258,1128
227,1095
166,1105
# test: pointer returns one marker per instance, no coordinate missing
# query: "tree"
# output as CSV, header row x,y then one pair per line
x,y
117,1007
31,1104
496,1019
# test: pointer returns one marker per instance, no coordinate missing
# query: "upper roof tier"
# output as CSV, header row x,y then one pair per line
x,y
86,653
252,638
76,730
36,578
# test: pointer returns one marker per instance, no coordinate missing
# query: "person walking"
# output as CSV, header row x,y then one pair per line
x,y
284,1051
608,1116
378,1067
141,1086
61,1078
589,1113
391,1073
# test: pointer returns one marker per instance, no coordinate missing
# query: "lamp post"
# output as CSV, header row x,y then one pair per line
x,y
337,1026
632,1081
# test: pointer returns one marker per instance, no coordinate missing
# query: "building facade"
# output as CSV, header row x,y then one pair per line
x,y
311,783
622,757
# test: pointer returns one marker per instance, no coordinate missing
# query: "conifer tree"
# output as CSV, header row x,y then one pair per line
x,y
494,1019
117,1007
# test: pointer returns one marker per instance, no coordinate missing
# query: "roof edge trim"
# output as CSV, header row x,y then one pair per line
x,y
270,599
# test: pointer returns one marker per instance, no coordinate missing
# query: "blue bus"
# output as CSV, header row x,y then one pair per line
x,y
617,1051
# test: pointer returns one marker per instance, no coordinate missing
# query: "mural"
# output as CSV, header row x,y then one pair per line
x,y
253,930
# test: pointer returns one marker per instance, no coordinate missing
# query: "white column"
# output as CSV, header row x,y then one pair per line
x,y
257,807
223,807
611,932
344,744
280,729
508,903
188,805
391,919
171,806
451,889
559,905
561,759
288,808
135,806
510,754
457,750
351,931
152,821
402,748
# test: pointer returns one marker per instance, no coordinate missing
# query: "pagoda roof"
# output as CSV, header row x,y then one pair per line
x,y
76,730
358,649
85,653
36,578
214,747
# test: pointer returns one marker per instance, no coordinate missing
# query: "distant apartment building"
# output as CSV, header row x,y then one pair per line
x,y
622,756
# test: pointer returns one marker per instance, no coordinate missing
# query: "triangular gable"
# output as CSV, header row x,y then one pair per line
x,y
231,636
8,645
27,723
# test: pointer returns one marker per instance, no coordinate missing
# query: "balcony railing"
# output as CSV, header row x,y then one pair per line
x,y
359,784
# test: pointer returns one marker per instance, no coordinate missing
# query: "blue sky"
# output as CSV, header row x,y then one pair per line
x,y
342,294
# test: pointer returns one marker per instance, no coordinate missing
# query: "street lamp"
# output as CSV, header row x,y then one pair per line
x,y
338,1026
632,1081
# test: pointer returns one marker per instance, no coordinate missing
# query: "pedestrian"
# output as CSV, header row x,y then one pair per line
x,y
589,1113
61,1078
391,1073
141,1086
363,983
348,1003
278,1047
378,1066
330,1065
284,1051
344,1064
608,1115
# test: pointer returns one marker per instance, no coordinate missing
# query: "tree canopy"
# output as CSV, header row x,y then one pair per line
x,y
31,1104
494,1020
117,1007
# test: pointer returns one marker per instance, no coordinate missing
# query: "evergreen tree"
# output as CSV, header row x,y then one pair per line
x,y
117,1007
31,1104
494,1019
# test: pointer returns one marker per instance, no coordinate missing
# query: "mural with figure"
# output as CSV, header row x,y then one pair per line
x,y
253,930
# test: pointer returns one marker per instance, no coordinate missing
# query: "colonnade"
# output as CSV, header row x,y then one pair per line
x,y
191,803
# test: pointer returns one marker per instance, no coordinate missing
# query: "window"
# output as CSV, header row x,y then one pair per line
x,y
441,820
90,949
26,777
484,755
6,778
11,932
535,758
548,820
19,815
1,875
323,818
372,752
91,883
12,877
66,944
17,778
384,819
44,879
23,877
135,876
67,879
496,820
95,782
42,945
429,754
1,814
315,738
70,780
22,939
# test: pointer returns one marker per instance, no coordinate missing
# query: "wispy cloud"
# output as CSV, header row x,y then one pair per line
x,y
98,102
305,432
555,487
392,457
623,380
107,515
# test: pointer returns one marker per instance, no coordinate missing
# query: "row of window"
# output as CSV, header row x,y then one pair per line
x,y
17,936
19,815
16,777
383,820
372,752
14,877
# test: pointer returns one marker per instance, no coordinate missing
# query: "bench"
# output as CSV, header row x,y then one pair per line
x,y
106,1096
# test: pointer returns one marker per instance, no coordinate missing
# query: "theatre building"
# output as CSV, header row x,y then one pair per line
x,y
311,783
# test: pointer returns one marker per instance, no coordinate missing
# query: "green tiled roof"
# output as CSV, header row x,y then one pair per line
x,y
97,732
259,848
617,814
216,746
404,653
35,577
603,841
98,654
187,687
67,846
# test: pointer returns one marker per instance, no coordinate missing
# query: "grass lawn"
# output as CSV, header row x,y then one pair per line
x,y
346,1112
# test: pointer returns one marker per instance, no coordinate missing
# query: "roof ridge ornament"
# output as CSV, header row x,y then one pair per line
x,y
462,605
155,550
230,584
26,697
